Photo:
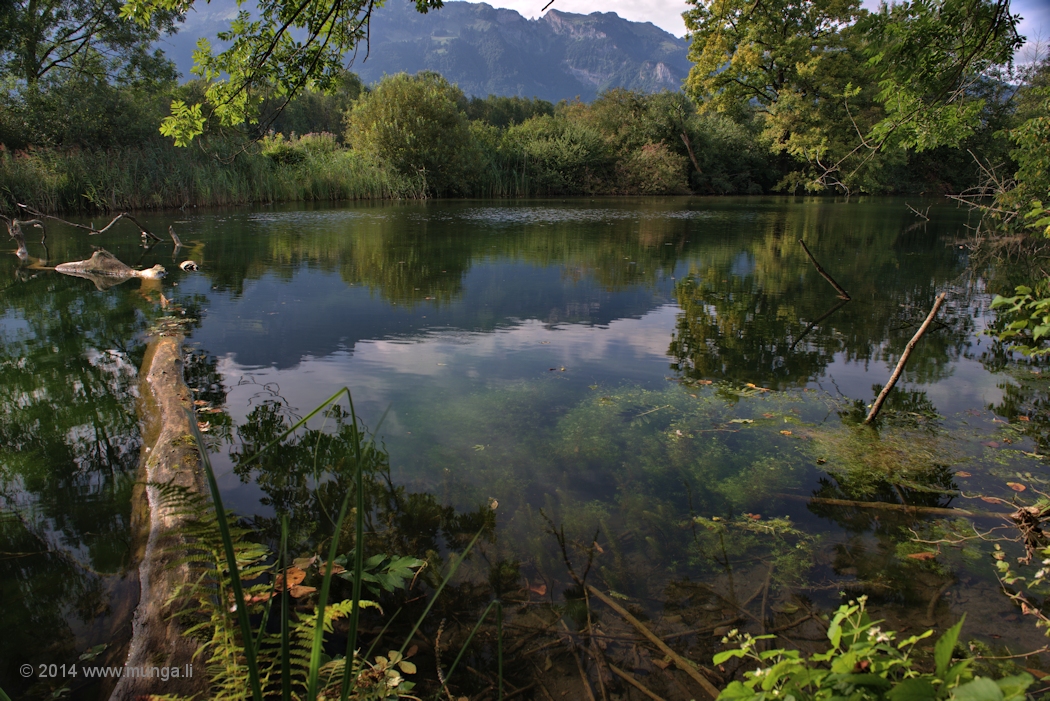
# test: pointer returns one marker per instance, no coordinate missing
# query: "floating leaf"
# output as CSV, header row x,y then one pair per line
x,y
93,653
304,563
990,444
785,608
754,517
960,473
767,415
991,500
290,577
1016,486
538,589
785,433
921,556
299,591
598,547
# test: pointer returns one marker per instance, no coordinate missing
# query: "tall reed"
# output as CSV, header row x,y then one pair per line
x,y
160,176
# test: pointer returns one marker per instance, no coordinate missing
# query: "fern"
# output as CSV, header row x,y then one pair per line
x,y
206,605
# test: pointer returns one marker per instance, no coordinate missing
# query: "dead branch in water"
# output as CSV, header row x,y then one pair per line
x,y
904,359
92,231
887,506
838,305
924,215
686,666
838,288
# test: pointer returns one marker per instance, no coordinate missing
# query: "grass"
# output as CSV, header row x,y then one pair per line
x,y
160,176
251,642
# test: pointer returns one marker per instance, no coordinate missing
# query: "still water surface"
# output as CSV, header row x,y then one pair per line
x,y
632,368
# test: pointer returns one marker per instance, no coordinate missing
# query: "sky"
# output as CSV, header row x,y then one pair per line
x,y
667,14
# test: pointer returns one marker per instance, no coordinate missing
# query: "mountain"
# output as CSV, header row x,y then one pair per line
x,y
486,50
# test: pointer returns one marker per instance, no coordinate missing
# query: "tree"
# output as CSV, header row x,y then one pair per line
x,y
842,88
39,38
415,124
286,46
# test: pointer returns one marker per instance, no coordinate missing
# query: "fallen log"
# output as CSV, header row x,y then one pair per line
x,y
889,506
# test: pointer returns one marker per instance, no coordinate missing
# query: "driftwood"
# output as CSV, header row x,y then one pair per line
x,y
686,666
904,359
105,270
823,273
14,230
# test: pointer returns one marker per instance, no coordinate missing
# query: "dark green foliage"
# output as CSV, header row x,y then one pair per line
x,y
503,112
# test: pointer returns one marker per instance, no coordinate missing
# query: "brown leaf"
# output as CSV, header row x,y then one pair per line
x,y
293,576
1016,486
785,433
412,651
662,664
200,402
598,547
754,517
304,563
704,382
1023,418
299,591
990,444
258,598
1037,673
921,556
204,426
991,500
538,589
767,415
336,568
960,473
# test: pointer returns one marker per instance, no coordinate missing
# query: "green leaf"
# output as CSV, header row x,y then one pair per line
x,y
1014,688
979,689
917,689
942,650
721,657
734,691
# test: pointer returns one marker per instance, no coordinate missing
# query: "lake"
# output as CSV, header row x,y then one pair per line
x,y
669,384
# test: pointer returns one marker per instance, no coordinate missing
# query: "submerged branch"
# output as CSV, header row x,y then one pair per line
x,y
904,359
838,288
686,666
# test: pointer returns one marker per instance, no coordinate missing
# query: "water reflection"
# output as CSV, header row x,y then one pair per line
x,y
69,450
626,367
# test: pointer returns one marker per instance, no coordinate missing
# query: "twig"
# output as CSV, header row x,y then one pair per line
x,y
932,606
579,665
686,666
838,288
1045,648
765,598
914,510
904,359
629,678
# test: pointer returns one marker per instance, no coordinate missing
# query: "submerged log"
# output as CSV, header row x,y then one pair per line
x,y
105,270
158,636
904,359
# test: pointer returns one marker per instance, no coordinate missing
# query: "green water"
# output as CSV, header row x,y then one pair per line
x,y
630,368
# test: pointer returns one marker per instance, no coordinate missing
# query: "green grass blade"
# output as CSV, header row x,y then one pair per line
x,y
359,556
437,593
3,696
231,562
322,602
466,644
286,647
299,424
499,644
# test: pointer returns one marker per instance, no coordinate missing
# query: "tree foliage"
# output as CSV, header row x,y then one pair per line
x,y
282,48
845,91
415,124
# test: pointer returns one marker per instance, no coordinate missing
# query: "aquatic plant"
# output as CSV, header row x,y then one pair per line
x,y
229,587
863,662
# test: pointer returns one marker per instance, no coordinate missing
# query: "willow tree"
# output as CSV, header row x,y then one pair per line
x,y
842,88
280,49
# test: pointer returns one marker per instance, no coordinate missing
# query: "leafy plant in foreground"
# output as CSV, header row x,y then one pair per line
x,y
864,662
